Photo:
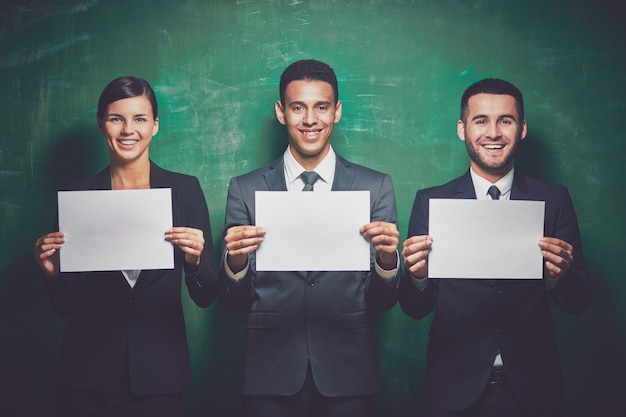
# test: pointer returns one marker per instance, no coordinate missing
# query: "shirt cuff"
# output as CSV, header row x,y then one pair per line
x,y
420,283
388,275
230,274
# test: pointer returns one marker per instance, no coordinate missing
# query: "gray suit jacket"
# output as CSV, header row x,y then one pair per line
x,y
296,318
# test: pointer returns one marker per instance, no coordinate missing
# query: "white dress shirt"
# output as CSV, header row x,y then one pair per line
x,y
326,170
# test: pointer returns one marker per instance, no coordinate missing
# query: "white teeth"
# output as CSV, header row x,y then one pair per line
x,y
310,134
493,146
128,142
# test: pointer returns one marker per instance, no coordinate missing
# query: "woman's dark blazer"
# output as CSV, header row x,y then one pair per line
x,y
113,328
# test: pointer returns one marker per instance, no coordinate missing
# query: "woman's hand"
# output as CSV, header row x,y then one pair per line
x,y
189,240
46,252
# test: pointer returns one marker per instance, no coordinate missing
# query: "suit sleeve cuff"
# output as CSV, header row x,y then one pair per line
x,y
230,274
552,282
388,275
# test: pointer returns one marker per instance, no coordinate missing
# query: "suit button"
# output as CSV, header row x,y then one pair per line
x,y
498,290
498,330
310,283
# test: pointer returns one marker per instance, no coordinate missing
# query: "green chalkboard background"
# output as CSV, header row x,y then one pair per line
x,y
402,66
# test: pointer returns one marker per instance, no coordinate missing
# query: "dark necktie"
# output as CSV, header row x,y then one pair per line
x,y
309,178
494,192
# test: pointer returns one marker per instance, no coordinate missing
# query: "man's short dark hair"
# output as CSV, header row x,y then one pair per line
x,y
308,69
492,86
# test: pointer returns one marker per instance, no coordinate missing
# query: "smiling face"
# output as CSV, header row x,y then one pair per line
x,y
309,112
492,132
128,126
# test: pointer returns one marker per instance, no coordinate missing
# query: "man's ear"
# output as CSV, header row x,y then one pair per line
x,y
524,130
280,112
338,111
460,130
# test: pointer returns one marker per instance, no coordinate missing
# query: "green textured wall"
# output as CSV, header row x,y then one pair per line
x,y
402,66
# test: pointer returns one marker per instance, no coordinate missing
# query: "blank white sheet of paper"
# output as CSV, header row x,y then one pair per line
x,y
112,230
485,239
313,231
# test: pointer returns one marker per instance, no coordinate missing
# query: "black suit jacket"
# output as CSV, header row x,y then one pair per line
x,y
317,317
476,318
110,323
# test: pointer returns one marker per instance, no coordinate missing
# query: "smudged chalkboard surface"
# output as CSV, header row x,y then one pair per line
x,y
402,67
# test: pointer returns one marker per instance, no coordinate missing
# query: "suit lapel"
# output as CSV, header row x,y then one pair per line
x,y
102,181
519,190
275,176
344,175
465,187
158,179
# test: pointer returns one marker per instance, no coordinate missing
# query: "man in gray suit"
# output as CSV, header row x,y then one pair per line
x,y
310,348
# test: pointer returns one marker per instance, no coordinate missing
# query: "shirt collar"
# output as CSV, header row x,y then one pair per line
x,y
325,169
481,185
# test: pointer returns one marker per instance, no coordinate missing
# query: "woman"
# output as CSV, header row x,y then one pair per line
x,y
124,351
